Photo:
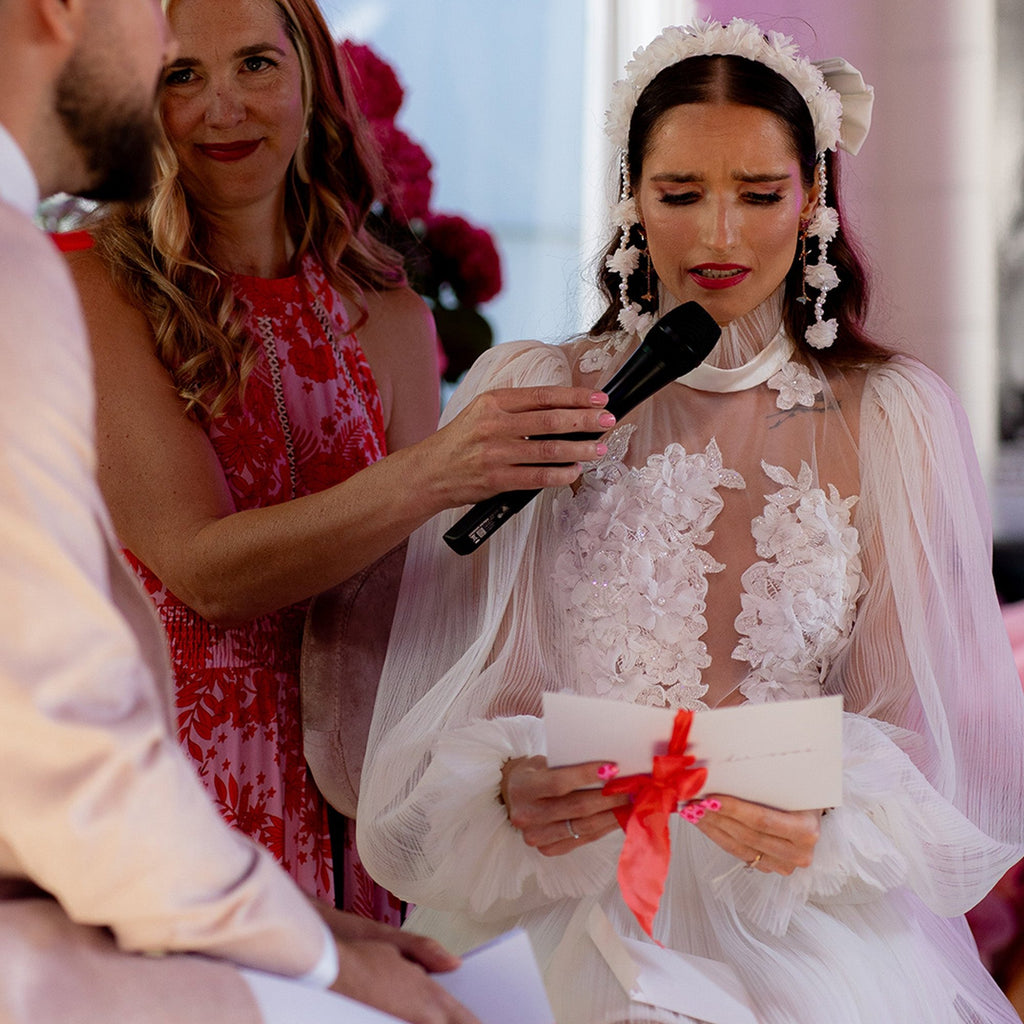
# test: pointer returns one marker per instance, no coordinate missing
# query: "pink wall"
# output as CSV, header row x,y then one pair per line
x,y
819,26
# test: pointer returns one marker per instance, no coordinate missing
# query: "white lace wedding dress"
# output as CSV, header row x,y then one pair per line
x,y
763,530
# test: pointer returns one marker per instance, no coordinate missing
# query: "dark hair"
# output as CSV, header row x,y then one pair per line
x,y
727,78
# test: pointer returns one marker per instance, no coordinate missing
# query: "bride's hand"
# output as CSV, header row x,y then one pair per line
x,y
558,809
762,837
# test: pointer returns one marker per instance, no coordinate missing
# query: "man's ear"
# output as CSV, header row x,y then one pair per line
x,y
60,20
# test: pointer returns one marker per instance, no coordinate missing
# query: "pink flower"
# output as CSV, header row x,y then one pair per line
x,y
459,254
408,168
374,82
465,256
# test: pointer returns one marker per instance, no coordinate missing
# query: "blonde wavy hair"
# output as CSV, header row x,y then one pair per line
x,y
156,248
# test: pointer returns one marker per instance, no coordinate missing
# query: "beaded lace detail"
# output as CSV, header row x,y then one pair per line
x,y
798,603
631,577
631,573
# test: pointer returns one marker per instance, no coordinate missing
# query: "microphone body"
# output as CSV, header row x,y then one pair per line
x,y
676,344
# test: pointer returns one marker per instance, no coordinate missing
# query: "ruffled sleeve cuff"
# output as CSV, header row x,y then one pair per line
x,y
484,866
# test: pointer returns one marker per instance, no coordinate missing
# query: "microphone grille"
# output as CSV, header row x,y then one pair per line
x,y
684,337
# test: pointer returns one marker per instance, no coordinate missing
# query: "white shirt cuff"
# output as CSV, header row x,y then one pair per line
x,y
326,969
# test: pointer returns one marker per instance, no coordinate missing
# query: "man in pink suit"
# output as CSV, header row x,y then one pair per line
x,y
123,896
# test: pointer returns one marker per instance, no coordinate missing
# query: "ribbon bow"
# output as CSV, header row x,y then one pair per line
x,y
856,97
643,863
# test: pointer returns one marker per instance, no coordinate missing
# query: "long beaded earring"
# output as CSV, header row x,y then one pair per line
x,y
822,276
626,257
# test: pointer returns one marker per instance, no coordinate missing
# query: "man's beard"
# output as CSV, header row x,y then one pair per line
x,y
115,139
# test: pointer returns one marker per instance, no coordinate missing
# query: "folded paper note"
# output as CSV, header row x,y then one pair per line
x,y
500,982
786,754
706,990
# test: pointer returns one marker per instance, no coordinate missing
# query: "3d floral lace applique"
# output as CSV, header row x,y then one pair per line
x,y
594,359
631,573
600,354
796,385
798,604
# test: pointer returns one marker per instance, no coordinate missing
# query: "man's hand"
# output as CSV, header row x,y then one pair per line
x,y
346,927
387,969
377,973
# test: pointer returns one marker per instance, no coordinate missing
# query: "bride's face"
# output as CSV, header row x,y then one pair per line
x,y
721,202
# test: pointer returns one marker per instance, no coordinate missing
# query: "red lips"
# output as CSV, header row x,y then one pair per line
x,y
715,276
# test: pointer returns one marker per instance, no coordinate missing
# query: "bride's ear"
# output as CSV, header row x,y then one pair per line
x,y
810,203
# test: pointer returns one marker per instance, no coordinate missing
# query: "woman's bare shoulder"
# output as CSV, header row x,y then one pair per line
x,y
396,313
108,310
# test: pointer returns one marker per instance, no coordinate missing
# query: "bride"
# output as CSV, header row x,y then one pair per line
x,y
802,515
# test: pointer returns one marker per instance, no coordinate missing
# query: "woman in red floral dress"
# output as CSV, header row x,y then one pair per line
x,y
330,426
267,398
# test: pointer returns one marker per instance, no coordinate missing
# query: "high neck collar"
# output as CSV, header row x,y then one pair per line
x,y
772,358
750,350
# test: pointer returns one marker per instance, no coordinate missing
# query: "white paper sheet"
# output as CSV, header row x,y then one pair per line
x,y
708,990
786,755
500,982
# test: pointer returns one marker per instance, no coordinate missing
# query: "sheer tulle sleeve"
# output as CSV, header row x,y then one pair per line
x,y
471,650
934,725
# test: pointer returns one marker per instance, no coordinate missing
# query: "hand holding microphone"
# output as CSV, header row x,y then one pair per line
x,y
675,345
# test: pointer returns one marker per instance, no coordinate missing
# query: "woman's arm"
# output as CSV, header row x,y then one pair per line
x,y
172,508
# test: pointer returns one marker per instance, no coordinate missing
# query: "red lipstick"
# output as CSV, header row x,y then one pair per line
x,y
714,276
229,152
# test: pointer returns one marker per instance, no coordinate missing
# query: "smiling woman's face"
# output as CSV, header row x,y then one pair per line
x,y
721,201
232,103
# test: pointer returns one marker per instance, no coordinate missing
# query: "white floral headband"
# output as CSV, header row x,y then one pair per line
x,y
836,96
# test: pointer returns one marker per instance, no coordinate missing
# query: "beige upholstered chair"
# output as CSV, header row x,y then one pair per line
x,y
343,648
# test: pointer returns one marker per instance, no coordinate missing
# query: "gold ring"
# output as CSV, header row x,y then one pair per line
x,y
572,831
753,863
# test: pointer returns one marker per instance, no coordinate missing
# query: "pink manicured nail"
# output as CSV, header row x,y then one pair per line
x,y
606,419
607,771
598,398
711,804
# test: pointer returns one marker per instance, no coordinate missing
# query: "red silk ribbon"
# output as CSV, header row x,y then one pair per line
x,y
643,863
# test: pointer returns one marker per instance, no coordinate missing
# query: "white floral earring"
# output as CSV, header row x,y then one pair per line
x,y
626,257
821,276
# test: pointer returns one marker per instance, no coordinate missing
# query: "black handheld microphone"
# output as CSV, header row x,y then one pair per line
x,y
676,344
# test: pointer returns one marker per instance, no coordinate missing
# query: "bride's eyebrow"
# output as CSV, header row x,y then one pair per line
x,y
677,178
686,177
768,178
